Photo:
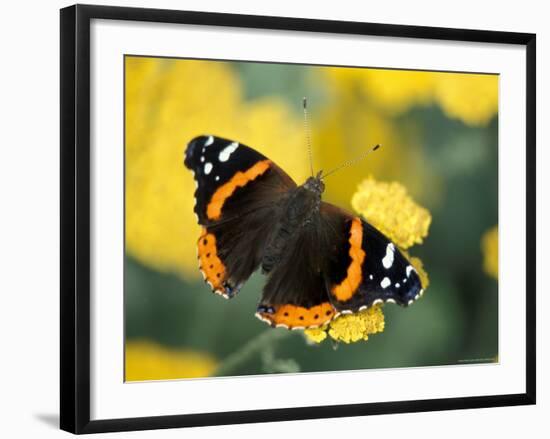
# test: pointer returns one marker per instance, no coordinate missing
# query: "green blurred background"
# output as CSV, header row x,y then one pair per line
x,y
440,137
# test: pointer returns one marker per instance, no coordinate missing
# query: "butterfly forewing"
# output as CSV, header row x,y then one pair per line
x,y
238,198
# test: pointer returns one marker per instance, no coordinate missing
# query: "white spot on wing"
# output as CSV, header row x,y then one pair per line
x,y
371,277
227,151
202,158
387,260
409,269
262,318
217,178
397,285
207,168
385,282
209,141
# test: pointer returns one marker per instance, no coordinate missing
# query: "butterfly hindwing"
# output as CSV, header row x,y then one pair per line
x,y
364,267
295,295
238,198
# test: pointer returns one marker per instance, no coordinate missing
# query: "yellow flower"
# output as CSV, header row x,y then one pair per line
x,y
397,90
472,98
393,90
316,335
419,267
489,248
354,327
146,360
350,328
389,208
168,102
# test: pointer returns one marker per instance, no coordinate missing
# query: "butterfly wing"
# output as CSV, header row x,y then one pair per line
x,y
363,266
295,295
239,197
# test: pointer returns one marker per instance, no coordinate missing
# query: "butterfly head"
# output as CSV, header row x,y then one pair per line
x,y
315,184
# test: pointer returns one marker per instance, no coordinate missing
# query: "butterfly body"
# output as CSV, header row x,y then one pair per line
x,y
300,211
320,260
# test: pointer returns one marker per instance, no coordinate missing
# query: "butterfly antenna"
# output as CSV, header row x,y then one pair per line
x,y
352,161
308,136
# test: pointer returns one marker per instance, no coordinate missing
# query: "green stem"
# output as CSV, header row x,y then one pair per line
x,y
253,347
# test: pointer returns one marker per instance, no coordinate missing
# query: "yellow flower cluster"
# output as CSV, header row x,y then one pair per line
x,y
350,328
472,98
388,208
168,102
419,267
146,360
489,248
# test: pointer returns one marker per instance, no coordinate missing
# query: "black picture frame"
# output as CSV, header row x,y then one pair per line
x,y
75,217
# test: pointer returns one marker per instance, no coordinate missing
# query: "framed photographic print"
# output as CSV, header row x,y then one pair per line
x,y
363,195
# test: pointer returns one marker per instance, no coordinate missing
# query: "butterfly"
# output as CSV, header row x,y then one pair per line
x,y
320,260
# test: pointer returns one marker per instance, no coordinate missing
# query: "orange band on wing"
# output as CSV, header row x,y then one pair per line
x,y
293,316
240,179
210,264
345,290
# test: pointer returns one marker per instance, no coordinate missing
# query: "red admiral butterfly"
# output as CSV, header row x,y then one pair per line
x,y
320,260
